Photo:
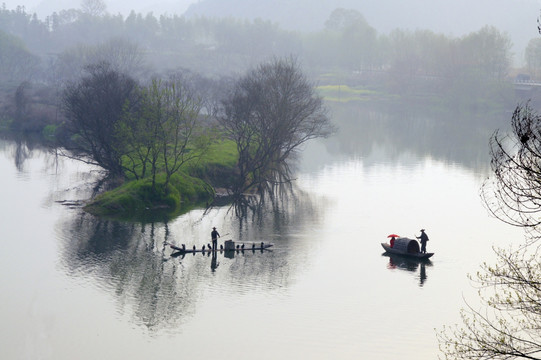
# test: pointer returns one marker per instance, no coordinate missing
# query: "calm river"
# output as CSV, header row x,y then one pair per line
x,y
75,287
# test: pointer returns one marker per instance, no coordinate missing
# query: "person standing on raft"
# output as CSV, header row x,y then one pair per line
x,y
214,236
423,238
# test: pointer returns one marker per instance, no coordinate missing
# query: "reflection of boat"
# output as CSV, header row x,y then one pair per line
x,y
405,262
406,247
251,246
410,264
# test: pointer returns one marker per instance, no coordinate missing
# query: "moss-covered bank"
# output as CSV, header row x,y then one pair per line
x,y
137,200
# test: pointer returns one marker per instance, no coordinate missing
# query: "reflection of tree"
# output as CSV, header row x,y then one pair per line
x,y
133,261
20,154
271,196
399,128
274,208
21,149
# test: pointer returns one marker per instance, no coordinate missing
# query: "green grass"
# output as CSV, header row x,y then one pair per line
x,y
217,166
135,200
345,93
222,152
49,131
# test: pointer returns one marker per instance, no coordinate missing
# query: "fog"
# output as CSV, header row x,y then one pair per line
x,y
449,17
414,87
46,7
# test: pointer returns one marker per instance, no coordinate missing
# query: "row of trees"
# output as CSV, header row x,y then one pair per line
x,y
212,46
222,46
137,131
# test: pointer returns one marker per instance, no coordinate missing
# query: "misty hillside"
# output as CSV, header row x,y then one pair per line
x,y
44,8
451,17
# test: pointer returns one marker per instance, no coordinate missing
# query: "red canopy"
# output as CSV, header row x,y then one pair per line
x,y
393,235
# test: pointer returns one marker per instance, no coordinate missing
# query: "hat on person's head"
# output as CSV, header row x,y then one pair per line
x,y
422,230
214,228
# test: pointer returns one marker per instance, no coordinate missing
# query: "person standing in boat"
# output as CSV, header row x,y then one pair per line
x,y
423,238
214,236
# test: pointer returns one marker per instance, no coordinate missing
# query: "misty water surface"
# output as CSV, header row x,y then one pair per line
x,y
74,286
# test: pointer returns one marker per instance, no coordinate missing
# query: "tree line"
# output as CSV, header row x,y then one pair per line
x,y
225,46
39,57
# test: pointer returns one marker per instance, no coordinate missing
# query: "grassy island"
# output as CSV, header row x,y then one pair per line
x,y
193,186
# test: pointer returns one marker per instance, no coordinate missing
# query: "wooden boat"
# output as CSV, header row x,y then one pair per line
x,y
246,247
406,247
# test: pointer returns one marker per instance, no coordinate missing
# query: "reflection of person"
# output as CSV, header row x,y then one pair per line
x,y
214,235
392,242
422,275
423,238
214,262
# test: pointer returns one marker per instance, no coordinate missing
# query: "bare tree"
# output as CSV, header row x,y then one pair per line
x,y
272,111
509,325
513,194
93,108
163,132
183,138
121,56
93,7
509,322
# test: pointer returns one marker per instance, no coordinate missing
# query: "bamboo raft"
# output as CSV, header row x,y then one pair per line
x,y
207,249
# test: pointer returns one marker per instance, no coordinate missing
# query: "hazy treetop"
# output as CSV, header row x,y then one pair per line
x,y
451,17
46,7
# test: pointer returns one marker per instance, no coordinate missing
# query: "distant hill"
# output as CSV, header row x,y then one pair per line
x,y
451,17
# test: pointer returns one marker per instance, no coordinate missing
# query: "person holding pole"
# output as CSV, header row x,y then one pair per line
x,y
214,236
423,238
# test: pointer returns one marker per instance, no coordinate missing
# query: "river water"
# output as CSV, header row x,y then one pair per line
x,y
76,287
